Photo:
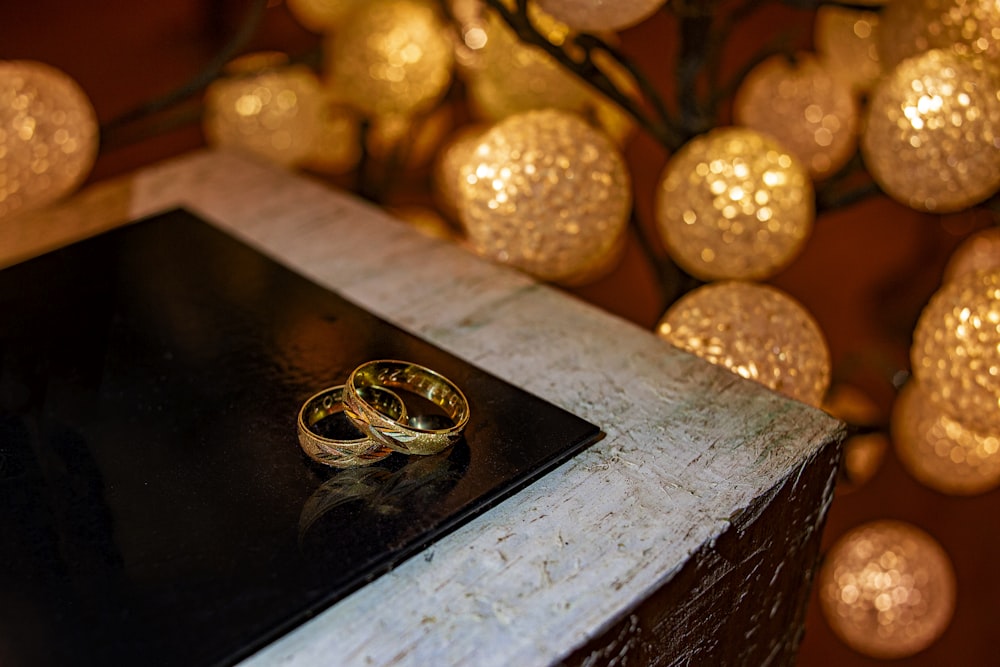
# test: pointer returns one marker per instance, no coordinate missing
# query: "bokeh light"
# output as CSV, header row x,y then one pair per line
x,y
48,135
733,203
978,252
939,451
932,139
545,192
321,15
273,113
756,331
846,41
956,350
865,451
390,57
600,15
804,107
887,589
966,27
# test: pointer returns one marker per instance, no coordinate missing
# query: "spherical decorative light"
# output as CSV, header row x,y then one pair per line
x,y
966,27
802,105
48,135
733,203
932,139
447,179
274,113
414,139
391,57
336,147
756,331
979,252
863,452
887,589
939,451
545,192
509,76
601,15
846,40
321,15
956,350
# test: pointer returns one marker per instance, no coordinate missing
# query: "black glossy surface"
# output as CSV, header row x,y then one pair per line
x,y
155,508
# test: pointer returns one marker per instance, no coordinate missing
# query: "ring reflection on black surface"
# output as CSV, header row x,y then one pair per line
x,y
381,492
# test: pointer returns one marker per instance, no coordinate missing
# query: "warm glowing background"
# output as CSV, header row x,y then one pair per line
x,y
865,273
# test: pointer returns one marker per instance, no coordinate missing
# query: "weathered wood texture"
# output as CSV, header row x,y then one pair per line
x,y
706,488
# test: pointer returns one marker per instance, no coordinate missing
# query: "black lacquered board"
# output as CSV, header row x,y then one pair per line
x,y
155,507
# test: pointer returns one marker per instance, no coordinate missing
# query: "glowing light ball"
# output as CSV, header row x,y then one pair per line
x,y
804,107
425,220
391,57
601,15
733,203
966,27
863,453
887,589
847,43
757,332
939,451
447,177
511,77
274,113
932,138
956,350
48,135
336,147
415,140
321,15
979,252
545,192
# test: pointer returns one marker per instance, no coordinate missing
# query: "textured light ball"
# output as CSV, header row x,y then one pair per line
x,y
510,77
979,252
757,332
48,135
932,137
966,27
274,113
321,15
391,57
939,451
805,107
545,192
956,350
887,589
447,176
847,43
734,204
601,15
336,147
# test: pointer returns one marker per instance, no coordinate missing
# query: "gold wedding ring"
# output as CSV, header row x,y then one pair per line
x,y
346,453
409,436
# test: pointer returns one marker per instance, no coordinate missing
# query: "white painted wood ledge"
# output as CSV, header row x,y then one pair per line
x,y
688,446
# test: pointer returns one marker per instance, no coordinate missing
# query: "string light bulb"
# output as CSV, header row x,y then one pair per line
x,y
264,108
979,252
802,105
887,589
956,350
601,15
939,451
847,43
391,57
48,135
965,27
932,137
507,76
733,203
756,331
545,192
321,16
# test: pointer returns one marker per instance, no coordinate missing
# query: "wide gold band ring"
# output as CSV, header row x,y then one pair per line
x,y
416,434
345,453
